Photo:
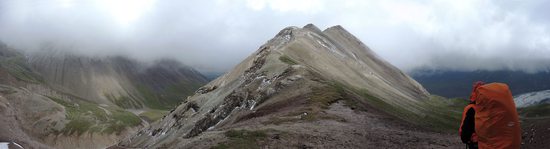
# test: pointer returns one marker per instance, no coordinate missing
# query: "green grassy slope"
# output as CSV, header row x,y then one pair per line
x,y
18,68
536,111
437,113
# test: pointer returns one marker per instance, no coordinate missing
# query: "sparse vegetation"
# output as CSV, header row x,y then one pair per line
x,y
306,114
243,139
434,113
348,101
153,115
169,98
279,120
541,110
287,60
17,67
121,119
123,101
437,113
78,126
319,100
89,117
150,99
442,114
6,90
354,104
324,96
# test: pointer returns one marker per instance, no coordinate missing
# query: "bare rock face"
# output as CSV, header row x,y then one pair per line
x,y
287,89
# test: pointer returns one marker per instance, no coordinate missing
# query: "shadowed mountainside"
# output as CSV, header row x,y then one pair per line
x,y
453,84
117,80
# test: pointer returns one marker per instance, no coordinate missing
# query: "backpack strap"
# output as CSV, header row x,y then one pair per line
x,y
467,127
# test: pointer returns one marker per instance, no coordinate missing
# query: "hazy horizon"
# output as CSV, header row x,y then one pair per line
x,y
213,36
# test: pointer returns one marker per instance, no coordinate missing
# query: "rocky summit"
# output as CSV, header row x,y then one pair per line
x,y
306,88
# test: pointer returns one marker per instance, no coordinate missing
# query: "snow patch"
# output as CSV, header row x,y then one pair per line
x,y
4,145
322,44
287,37
297,66
17,145
214,126
354,56
253,103
532,98
264,84
327,45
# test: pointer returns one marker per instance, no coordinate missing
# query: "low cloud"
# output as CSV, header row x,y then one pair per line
x,y
215,35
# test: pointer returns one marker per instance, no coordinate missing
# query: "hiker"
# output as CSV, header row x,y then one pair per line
x,y
490,120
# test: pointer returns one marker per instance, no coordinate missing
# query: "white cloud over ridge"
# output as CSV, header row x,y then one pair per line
x,y
215,35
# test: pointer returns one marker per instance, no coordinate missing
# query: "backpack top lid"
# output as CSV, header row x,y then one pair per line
x,y
473,95
496,119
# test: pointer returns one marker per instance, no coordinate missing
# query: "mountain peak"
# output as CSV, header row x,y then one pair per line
x,y
336,27
288,72
312,27
335,49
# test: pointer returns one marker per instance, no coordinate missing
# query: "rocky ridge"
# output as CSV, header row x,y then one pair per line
x,y
302,78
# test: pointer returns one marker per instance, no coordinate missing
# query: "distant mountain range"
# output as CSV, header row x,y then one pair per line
x,y
459,83
212,75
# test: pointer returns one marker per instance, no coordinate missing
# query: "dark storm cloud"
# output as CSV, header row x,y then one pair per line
x,y
216,35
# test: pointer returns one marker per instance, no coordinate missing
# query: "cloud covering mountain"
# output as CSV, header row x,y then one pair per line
x,y
215,35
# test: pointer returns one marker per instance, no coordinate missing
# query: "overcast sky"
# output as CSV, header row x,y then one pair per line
x,y
215,35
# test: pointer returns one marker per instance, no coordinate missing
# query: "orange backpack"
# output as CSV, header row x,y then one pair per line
x,y
496,119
